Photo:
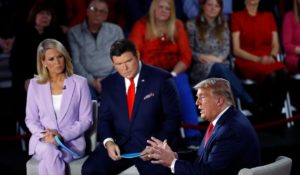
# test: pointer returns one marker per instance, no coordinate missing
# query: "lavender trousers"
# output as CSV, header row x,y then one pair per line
x,y
52,159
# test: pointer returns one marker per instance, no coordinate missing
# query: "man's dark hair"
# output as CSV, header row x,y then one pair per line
x,y
121,46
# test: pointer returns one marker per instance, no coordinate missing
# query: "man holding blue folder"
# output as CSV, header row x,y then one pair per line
x,y
139,101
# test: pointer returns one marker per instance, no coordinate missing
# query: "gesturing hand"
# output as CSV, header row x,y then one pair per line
x,y
161,152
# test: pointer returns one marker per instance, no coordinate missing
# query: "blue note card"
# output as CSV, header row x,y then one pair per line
x,y
131,155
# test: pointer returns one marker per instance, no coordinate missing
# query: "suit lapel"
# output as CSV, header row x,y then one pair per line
x,y
66,97
212,137
139,90
119,93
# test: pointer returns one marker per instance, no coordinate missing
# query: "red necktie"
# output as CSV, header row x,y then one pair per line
x,y
130,97
210,128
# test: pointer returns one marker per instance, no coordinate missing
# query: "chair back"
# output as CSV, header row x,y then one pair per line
x,y
281,166
91,134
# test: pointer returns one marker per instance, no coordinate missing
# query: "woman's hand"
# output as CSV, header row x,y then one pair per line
x,y
49,136
204,58
267,59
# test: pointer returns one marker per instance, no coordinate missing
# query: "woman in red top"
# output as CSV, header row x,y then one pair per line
x,y
162,41
256,46
255,42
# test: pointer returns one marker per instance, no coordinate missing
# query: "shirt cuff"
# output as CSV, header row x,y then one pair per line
x,y
174,74
172,167
106,140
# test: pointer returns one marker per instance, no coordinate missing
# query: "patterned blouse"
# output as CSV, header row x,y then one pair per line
x,y
210,45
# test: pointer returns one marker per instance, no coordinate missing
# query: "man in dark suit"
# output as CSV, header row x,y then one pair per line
x,y
155,112
230,142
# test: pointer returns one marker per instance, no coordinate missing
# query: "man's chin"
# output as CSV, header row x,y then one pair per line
x,y
202,117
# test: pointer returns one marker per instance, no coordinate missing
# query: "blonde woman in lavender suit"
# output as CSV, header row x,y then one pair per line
x,y
58,104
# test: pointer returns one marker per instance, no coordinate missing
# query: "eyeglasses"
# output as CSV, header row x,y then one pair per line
x,y
100,11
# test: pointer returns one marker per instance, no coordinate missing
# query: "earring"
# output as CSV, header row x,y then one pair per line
x,y
219,20
202,18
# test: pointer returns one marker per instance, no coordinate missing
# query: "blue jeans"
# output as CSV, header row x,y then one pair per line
x,y
187,103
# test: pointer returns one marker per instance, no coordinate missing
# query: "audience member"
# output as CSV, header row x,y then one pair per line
x,y
162,41
291,38
6,44
136,9
256,46
90,42
153,110
68,12
230,142
191,8
210,42
58,105
41,25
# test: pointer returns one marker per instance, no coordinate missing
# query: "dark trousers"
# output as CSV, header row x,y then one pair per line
x,y
99,163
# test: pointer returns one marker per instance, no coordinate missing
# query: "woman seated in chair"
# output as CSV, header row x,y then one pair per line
x,y
256,46
59,109
210,42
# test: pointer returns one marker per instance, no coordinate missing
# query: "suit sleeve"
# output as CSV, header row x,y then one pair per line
x,y
220,154
105,117
171,113
32,119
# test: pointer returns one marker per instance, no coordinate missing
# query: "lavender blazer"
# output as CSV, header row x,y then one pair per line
x,y
74,118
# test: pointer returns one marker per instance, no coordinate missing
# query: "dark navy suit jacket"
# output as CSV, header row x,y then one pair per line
x,y
232,145
155,112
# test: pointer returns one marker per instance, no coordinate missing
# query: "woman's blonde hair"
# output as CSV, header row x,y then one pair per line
x,y
297,10
152,31
43,74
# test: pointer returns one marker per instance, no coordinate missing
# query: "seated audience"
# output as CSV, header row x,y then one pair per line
x,y
162,41
230,143
291,38
210,42
90,42
59,106
256,46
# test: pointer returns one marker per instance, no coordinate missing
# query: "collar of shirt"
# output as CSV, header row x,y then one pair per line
x,y
218,117
135,79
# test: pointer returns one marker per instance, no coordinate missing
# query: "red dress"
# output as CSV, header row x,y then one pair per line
x,y
159,51
255,38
